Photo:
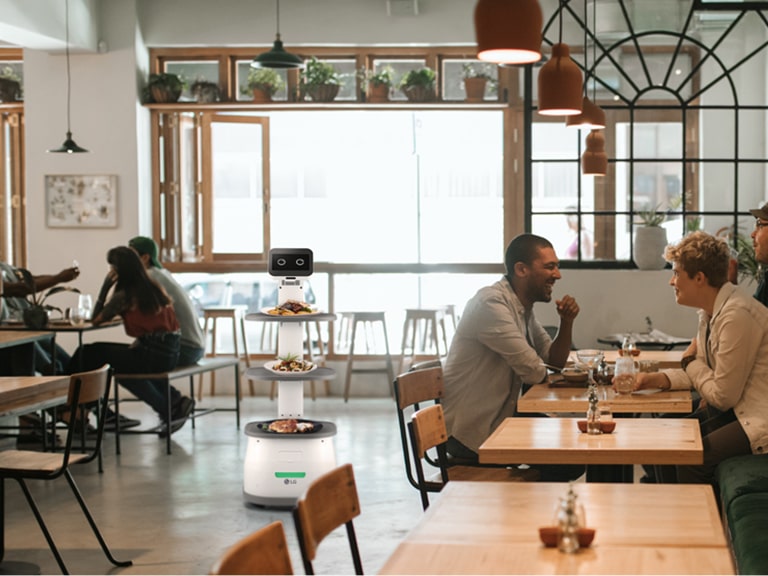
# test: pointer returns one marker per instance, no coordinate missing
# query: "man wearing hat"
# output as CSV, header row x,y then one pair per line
x,y
760,242
192,345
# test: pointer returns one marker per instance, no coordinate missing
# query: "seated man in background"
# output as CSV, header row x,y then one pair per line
x,y
727,363
15,301
760,243
499,346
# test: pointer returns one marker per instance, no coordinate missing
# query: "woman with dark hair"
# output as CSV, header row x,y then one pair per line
x,y
148,316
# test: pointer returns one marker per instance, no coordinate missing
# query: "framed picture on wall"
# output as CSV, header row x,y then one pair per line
x,y
80,201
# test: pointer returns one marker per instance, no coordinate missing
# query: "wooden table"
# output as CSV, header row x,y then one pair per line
x,y
665,358
492,528
21,395
543,398
559,441
9,339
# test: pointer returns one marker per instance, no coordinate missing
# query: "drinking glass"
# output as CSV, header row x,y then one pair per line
x,y
624,375
83,310
589,359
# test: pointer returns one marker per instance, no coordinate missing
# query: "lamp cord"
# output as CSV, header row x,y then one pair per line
x,y
69,89
594,51
586,50
277,10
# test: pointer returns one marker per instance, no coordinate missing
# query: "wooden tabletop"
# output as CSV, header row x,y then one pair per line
x,y
664,358
15,338
543,398
58,325
559,441
22,394
492,528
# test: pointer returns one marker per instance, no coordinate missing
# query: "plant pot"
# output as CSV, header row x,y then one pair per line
x,y
650,242
378,93
205,92
164,94
262,96
9,90
322,92
419,93
475,89
35,317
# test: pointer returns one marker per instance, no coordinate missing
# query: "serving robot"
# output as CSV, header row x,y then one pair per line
x,y
280,466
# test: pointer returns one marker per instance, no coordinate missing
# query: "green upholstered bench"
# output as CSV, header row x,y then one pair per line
x,y
743,482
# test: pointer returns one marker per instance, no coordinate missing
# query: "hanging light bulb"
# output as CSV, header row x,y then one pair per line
x,y
69,146
594,160
508,31
592,117
560,81
278,57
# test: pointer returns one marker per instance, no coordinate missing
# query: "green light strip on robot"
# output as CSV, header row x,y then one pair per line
x,y
290,474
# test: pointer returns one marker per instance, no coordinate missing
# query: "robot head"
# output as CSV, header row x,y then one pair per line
x,y
290,262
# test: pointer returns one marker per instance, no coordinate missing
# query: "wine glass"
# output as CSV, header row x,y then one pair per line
x,y
589,359
83,310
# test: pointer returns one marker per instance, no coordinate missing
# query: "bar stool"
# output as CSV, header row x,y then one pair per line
x,y
237,315
368,320
429,323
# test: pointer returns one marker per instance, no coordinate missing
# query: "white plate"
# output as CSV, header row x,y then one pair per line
x,y
310,314
269,366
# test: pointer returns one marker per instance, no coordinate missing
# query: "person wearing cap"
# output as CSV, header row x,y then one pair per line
x,y
760,242
192,338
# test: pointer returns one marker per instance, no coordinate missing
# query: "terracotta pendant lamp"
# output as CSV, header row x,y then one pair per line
x,y
594,161
278,57
592,117
508,31
560,81
69,146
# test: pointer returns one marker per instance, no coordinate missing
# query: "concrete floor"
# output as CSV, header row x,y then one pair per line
x,y
176,514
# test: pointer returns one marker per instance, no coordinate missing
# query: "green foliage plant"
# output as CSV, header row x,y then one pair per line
x,y
317,73
264,79
424,77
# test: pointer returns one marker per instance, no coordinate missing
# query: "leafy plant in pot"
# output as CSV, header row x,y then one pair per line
x,y
379,83
476,76
650,239
36,316
163,88
419,85
10,85
263,83
320,81
205,91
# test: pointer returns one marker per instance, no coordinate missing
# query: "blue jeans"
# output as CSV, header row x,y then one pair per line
x,y
151,353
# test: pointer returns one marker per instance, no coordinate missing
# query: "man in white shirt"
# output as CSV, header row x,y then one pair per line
x,y
499,346
727,363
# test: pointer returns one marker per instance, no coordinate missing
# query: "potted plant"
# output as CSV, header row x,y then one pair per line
x,y
263,83
475,77
10,85
164,88
379,84
650,239
205,91
36,316
320,81
419,85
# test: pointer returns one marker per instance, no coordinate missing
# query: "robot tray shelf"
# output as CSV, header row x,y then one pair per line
x,y
319,373
262,317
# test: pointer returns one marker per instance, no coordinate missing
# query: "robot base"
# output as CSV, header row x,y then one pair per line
x,y
279,467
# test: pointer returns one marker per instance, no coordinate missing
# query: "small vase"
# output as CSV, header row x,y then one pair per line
x,y
378,93
35,317
261,96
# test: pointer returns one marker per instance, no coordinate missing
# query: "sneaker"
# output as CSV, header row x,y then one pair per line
x,y
181,413
110,423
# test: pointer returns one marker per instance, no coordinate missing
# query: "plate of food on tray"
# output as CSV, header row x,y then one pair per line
x,y
290,364
290,308
290,426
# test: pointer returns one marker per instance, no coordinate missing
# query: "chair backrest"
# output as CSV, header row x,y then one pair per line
x,y
411,390
427,430
87,390
329,502
263,552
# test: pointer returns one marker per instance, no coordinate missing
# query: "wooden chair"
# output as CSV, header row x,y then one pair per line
x,y
330,501
85,389
427,430
263,552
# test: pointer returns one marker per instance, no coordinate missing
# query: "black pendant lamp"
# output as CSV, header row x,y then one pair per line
x,y
278,57
69,146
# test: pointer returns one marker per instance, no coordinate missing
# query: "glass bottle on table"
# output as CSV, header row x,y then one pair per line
x,y
593,411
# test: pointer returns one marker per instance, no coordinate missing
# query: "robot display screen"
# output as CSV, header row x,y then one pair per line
x,y
290,262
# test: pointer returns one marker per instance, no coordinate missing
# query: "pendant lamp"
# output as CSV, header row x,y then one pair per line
x,y
560,81
592,117
508,31
278,57
69,146
594,160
